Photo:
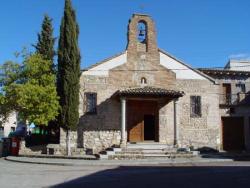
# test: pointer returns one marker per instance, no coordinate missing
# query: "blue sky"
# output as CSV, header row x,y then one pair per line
x,y
202,33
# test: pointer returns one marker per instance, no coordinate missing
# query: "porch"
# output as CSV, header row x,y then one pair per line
x,y
140,113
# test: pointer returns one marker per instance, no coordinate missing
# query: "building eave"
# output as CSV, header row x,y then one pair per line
x,y
224,72
150,91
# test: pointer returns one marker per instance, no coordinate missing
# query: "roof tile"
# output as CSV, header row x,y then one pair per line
x,y
147,90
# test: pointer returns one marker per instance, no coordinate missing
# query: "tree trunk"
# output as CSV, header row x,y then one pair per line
x,y
68,149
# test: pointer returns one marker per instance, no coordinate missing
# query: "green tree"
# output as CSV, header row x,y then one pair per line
x,y
9,77
68,71
30,90
46,41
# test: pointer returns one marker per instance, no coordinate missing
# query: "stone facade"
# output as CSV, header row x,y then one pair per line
x,y
204,130
100,140
193,131
142,60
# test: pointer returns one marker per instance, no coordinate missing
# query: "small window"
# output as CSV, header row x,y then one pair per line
x,y
91,101
195,102
143,80
241,87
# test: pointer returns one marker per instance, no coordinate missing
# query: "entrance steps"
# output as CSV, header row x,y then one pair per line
x,y
149,146
146,151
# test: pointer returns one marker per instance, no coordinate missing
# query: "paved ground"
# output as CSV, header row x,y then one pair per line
x,y
223,174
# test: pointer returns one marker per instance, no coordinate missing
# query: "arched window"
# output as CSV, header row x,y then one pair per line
x,y
143,80
141,32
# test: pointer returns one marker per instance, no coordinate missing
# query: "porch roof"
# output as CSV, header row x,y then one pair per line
x,y
150,91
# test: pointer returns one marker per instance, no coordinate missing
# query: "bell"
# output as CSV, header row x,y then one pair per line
x,y
142,33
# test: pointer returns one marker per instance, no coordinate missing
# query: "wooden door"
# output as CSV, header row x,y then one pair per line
x,y
135,121
233,133
136,131
136,111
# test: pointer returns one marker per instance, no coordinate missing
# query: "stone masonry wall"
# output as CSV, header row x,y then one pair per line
x,y
204,130
193,131
100,140
73,138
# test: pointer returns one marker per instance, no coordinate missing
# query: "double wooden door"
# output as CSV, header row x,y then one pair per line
x,y
142,118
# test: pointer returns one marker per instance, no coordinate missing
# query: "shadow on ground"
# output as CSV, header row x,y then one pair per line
x,y
210,153
228,155
164,177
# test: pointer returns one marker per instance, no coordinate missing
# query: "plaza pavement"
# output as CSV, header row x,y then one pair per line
x,y
169,175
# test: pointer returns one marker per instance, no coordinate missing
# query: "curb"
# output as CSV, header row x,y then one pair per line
x,y
59,157
44,163
119,163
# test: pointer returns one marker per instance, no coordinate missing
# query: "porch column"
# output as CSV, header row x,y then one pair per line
x,y
123,122
176,129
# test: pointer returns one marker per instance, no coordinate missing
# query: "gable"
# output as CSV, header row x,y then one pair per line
x,y
181,70
102,68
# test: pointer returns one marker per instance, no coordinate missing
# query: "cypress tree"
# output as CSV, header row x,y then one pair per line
x,y
68,71
45,43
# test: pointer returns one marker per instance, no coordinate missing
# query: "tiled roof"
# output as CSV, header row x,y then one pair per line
x,y
224,72
150,91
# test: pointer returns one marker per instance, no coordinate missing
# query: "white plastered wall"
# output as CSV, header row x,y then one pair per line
x,y
103,69
238,65
182,71
10,122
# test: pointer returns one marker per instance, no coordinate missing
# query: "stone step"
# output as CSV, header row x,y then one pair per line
x,y
144,153
148,150
146,143
148,156
149,146
169,155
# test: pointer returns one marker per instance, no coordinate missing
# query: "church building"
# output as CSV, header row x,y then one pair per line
x,y
144,94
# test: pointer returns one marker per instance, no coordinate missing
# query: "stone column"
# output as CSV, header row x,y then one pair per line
x,y
176,129
123,122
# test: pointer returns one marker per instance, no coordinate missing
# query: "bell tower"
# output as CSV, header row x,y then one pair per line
x,y
142,47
